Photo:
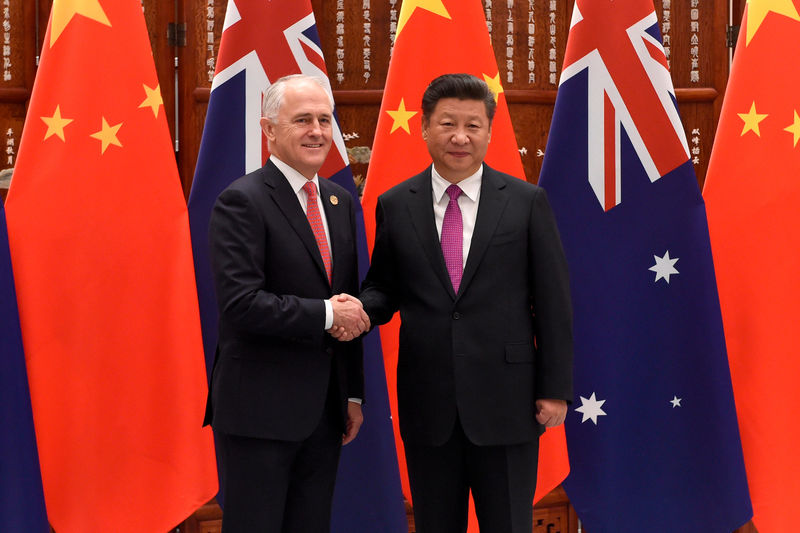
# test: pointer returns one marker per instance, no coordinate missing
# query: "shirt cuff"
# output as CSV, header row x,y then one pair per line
x,y
328,315
355,400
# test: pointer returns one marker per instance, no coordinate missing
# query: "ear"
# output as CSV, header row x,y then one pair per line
x,y
425,125
268,127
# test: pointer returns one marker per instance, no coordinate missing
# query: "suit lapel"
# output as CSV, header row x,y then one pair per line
x,y
420,206
492,202
286,200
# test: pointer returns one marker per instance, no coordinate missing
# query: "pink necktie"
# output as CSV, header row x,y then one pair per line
x,y
315,220
453,237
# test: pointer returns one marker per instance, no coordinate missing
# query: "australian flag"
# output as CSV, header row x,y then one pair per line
x,y
262,41
652,434
21,497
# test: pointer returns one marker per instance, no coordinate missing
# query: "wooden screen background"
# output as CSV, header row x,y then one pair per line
x,y
529,37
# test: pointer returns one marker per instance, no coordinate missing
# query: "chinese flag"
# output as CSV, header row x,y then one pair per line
x,y
752,194
436,37
99,240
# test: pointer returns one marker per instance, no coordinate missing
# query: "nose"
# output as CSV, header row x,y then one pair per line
x,y
460,136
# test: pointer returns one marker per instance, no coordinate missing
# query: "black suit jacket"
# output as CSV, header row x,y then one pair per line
x,y
274,359
503,341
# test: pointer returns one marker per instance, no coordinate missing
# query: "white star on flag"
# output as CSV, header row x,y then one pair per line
x,y
676,402
664,266
591,408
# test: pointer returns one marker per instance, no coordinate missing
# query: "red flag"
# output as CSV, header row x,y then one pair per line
x,y
752,194
99,240
436,37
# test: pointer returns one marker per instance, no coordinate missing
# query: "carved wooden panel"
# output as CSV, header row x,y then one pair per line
x,y
551,520
197,60
19,52
529,37
207,519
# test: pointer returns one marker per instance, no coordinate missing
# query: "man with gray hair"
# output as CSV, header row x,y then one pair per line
x,y
284,394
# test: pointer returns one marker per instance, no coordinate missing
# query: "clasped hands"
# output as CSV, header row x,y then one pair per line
x,y
349,318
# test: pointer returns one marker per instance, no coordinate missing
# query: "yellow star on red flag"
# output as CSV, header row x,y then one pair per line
x,y
410,6
794,128
751,120
65,10
757,10
107,135
56,124
494,85
153,99
400,116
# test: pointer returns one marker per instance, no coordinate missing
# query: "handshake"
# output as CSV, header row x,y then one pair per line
x,y
349,318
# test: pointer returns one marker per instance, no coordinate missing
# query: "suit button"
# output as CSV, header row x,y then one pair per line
x,y
456,315
329,351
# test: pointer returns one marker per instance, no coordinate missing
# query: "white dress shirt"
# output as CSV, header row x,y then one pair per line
x,y
467,202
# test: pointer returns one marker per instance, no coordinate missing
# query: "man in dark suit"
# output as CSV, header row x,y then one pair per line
x,y
284,394
473,261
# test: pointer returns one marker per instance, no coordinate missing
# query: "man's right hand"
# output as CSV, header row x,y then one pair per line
x,y
349,318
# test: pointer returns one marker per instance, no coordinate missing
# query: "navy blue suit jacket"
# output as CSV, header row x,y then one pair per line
x,y
274,359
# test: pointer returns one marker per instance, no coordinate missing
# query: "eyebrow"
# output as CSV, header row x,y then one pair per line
x,y
468,118
303,115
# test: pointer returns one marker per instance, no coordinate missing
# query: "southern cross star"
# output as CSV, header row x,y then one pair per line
x,y
591,408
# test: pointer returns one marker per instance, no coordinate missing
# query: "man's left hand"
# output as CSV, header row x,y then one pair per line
x,y
354,420
551,413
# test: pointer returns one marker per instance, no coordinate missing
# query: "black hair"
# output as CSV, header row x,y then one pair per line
x,y
461,86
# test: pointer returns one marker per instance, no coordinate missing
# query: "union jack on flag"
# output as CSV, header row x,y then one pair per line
x,y
629,86
266,41
262,41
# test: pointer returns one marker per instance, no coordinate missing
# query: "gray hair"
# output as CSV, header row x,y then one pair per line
x,y
273,97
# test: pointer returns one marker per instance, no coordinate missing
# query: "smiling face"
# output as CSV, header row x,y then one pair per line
x,y
300,134
457,134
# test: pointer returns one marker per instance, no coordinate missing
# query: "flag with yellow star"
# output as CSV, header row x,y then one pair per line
x,y
99,239
752,193
436,37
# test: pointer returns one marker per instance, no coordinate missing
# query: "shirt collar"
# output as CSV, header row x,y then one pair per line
x,y
471,186
295,179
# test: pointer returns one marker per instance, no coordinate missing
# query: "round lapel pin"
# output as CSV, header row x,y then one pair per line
x,y
334,199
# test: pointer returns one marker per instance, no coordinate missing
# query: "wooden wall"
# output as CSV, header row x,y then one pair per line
x,y
529,37
694,31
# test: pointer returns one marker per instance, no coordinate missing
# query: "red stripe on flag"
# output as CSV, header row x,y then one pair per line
x,y
610,153
656,53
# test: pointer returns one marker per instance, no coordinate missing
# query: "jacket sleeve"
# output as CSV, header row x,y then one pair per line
x,y
355,355
237,237
378,289
551,303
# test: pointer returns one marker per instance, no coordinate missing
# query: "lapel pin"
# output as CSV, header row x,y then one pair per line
x,y
334,199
